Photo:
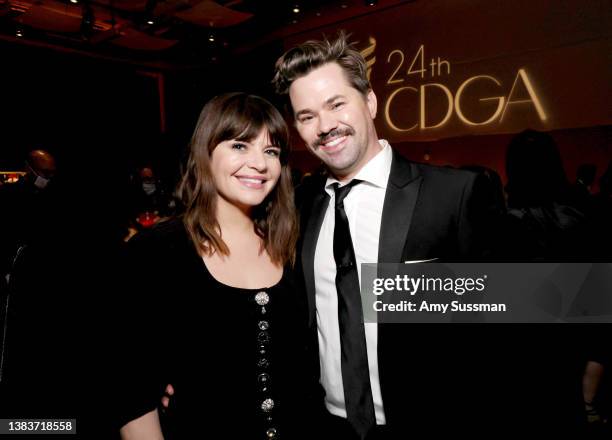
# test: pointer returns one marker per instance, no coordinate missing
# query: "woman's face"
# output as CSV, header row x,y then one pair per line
x,y
245,172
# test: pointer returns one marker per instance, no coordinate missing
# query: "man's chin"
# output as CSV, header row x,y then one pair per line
x,y
341,171
336,161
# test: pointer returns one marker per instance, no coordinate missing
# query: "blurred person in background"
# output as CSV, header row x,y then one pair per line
x,y
150,200
581,191
542,221
60,240
27,206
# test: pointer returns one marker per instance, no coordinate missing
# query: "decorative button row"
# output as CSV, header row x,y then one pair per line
x,y
263,378
267,405
263,339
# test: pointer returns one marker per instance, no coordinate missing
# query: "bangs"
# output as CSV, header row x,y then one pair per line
x,y
245,120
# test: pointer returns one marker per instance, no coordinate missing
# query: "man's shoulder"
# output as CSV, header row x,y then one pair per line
x,y
447,173
434,174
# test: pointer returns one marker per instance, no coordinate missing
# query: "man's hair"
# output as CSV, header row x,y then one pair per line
x,y
304,58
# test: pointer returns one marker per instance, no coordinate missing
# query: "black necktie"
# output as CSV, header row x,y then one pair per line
x,y
354,356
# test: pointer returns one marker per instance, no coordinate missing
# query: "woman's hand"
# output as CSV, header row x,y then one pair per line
x,y
167,395
146,427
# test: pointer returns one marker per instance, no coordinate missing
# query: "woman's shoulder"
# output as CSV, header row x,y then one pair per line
x,y
167,239
167,232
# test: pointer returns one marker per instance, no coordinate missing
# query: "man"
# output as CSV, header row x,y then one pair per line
x,y
28,229
53,327
150,194
380,381
28,206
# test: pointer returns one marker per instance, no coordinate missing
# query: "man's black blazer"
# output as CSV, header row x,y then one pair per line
x,y
429,213
442,376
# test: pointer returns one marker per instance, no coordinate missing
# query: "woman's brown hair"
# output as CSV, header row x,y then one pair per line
x,y
241,117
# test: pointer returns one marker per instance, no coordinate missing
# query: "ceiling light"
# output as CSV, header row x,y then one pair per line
x,y
150,22
211,37
296,9
74,1
371,2
19,33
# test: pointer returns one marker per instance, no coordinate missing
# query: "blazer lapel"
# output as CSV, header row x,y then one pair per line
x,y
311,235
400,199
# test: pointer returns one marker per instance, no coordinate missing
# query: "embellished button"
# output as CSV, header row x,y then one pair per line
x,y
263,325
263,378
263,363
267,405
271,433
263,337
262,298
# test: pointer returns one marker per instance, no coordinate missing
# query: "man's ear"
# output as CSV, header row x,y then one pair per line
x,y
372,103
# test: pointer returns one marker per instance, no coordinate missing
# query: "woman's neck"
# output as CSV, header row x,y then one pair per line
x,y
232,218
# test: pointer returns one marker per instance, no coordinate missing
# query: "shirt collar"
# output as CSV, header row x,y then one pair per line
x,y
375,172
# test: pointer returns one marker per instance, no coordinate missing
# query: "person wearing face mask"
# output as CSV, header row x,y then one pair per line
x,y
149,187
40,168
150,201
214,309
27,206
31,225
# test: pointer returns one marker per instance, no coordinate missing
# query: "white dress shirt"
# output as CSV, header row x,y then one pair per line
x,y
363,206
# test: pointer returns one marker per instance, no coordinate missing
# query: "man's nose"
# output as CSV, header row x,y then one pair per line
x,y
326,123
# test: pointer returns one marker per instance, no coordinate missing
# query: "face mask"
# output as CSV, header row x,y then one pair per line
x,y
41,182
148,188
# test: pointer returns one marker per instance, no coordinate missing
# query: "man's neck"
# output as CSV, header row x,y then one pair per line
x,y
370,154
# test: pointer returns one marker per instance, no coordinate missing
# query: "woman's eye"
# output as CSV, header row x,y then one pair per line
x,y
238,146
337,105
273,152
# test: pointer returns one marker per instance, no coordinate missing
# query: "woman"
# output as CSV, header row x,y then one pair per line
x,y
219,304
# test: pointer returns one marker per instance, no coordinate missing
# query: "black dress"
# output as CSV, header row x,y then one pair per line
x,y
234,356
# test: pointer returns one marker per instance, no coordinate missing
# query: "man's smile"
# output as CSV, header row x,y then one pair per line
x,y
333,145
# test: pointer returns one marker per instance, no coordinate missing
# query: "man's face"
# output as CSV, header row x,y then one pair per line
x,y
146,174
335,120
40,169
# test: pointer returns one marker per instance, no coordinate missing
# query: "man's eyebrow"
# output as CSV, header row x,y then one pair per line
x,y
302,112
328,101
334,98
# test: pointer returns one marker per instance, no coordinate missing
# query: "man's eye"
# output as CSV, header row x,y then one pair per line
x,y
305,119
337,105
238,146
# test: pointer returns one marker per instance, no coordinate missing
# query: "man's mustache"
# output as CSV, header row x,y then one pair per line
x,y
338,132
